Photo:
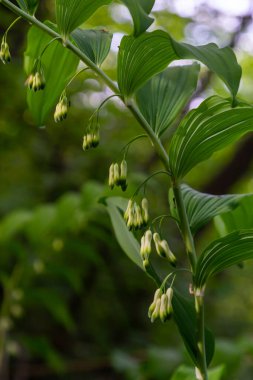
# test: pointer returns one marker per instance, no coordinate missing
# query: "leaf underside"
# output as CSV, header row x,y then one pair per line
x,y
223,253
205,130
140,10
95,44
201,207
72,13
163,98
140,58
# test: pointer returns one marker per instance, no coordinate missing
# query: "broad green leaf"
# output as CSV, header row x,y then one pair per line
x,y
221,61
239,219
201,208
150,53
140,10
223,253
116,206
186,373
141,58
59,65
184,316
28,6
72,13
205,130
163,98
95,44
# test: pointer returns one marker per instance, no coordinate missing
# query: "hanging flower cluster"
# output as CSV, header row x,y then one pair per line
x,y
61,110
136,216
36,80
118,175
91,137
161,306
5,54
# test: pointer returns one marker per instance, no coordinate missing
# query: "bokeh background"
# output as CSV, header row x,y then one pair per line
x,y
72,305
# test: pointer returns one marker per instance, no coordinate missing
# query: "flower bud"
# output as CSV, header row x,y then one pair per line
x,y
157,240
138,217
95,139
29,81
142,249
116,174
61,109
89,140
111,177
169,294
36,80
145,215
85,144
123,170
5,55
157,296
131,219
166,253
163,308
129,207
163,250
123,175
155,313
148,240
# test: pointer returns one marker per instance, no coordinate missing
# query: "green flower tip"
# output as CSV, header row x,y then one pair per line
x,y
118,175
5,54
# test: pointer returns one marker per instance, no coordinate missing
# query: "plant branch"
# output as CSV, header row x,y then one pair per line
x,y
134,110
162,154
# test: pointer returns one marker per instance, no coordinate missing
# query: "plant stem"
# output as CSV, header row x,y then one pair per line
x,y
201,371
199,307
185,228
162,154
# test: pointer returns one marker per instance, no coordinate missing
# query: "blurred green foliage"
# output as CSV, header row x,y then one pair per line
x,y
73,306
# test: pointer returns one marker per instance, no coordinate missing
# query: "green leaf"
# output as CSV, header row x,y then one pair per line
x,y
59,66
28,6
163,98
95,44
150,53
221,61
141,58
116,206
223,253
184,316
186,373
140,10
205,130
239,219
72,13
201,208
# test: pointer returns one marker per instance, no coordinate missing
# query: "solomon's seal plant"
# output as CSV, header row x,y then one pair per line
x,y
156,95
